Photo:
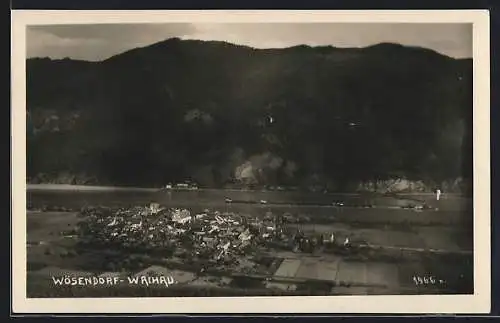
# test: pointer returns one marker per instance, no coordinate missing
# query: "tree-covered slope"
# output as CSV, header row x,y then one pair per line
x,y
218,113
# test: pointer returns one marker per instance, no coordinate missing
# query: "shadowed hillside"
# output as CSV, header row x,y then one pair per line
x,y
218,113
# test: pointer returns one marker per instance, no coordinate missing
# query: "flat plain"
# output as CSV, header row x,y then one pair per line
x,y
402,244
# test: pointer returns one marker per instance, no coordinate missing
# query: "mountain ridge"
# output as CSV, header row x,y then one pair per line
x,y
226,43
202,110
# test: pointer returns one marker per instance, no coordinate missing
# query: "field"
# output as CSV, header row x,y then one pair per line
x,y
400,246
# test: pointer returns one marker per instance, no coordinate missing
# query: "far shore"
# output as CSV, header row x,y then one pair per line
x,y
95,188
89,188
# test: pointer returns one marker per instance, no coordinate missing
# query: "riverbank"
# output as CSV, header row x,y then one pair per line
x,y
95,188
86,188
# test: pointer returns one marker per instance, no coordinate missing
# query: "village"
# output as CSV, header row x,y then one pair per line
x,y
210,238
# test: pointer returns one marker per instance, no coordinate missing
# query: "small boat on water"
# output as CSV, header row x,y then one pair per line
x,y
228,200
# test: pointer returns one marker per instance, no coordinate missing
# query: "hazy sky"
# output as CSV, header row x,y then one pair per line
x,y
97,42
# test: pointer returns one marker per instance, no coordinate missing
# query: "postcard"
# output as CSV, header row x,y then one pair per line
x,y
250,162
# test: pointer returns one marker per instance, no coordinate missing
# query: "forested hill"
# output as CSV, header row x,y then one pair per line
x,y
218,113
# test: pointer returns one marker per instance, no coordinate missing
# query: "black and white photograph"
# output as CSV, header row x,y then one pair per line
x,y
221,159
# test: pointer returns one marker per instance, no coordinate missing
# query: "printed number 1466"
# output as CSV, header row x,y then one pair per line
x,y
425,280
